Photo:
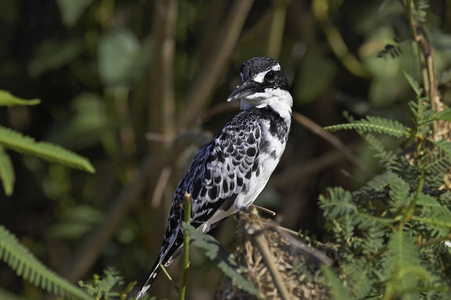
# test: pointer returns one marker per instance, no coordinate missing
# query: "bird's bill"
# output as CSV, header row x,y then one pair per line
x,y
243,90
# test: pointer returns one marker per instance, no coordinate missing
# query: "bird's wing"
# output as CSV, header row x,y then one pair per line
x,y
223,172
219,173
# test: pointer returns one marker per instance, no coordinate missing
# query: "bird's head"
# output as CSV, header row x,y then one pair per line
x,y
263,84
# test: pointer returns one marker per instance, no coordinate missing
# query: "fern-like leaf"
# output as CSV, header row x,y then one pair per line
x,y
6,172
373,124
399,194
393,50
402,264
14,140
359,278
431,208
7,99
387,157
421,11
337,289
337,203
443,115
414,84
32,270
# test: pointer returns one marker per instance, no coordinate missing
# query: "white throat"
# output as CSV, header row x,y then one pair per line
x,y
279,100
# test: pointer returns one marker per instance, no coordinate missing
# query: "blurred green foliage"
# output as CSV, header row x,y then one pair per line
x,y
116,78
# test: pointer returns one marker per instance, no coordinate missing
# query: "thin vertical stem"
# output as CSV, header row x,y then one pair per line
x,y
185,259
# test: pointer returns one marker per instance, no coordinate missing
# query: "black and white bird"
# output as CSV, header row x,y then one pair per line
x,y
228,173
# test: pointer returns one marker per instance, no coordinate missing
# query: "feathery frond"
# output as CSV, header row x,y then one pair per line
x,y
7,99
14,140
402,262
32,270
338,291
373,124
415,85
7,175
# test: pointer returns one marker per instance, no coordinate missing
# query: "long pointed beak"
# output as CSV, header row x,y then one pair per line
x,y
241,91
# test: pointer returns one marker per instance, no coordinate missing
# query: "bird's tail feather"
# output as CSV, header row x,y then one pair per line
x,y
153,275
166,258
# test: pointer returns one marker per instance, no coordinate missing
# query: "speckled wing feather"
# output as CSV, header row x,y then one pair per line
x,y
219,172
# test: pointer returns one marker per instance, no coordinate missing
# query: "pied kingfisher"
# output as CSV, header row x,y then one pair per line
x,y
228,174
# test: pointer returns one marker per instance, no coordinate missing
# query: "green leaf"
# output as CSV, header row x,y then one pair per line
x,y
223,260
339,292
337,203
26,145
399,193
443,115
118,51
359,278
52,55
402,261
6,172
414,84
373,124
7,99
28,267
72,10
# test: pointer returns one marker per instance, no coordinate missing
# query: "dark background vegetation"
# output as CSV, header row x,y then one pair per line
x,y
138,86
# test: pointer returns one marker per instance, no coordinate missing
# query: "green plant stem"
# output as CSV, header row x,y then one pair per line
x,y
185,261
172,281
436,241
413,204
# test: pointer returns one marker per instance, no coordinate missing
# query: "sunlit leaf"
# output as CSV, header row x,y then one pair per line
x,y
26,145
6,172
7,99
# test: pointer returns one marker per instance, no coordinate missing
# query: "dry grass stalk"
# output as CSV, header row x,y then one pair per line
x,y
296,270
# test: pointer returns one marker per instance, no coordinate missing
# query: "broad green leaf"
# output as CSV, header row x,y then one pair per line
x,y
6,172
52,55
118,51
223,260
14,140
443,115
339,292
72,10
7,99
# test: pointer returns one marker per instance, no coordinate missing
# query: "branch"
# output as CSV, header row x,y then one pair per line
x,y
210,71
421,37
260,240
161,79
333,140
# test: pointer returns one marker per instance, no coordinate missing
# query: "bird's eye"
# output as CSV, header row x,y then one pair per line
x,y
269,77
